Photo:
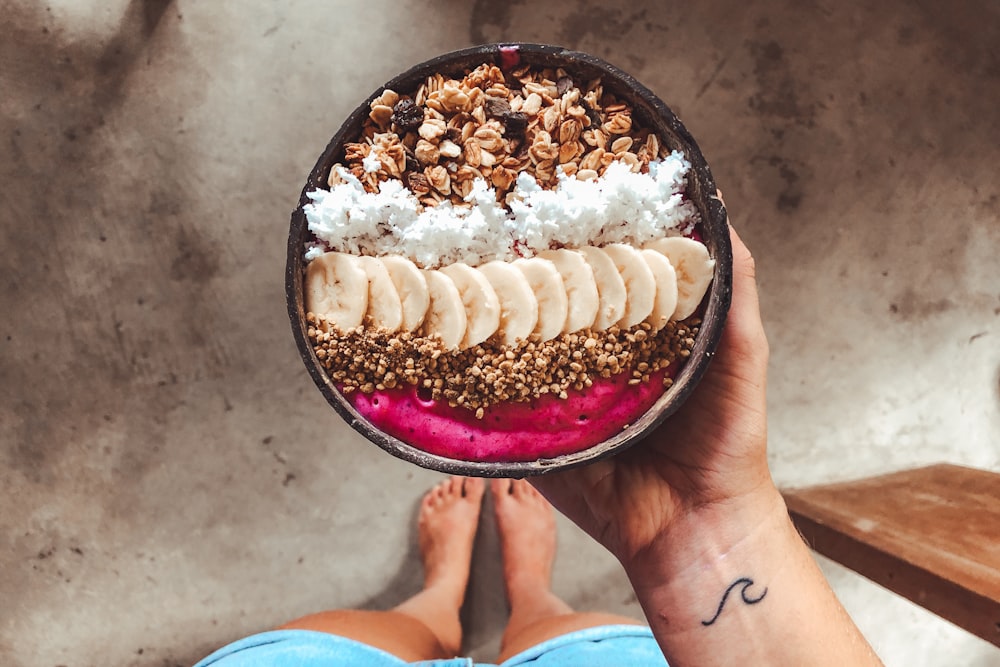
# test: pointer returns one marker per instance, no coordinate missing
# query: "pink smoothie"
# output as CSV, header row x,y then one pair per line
x,y
543,428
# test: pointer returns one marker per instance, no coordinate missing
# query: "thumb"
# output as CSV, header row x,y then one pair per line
x,y
743,336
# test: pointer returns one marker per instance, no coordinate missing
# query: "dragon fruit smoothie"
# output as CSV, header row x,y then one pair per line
x,y
544,428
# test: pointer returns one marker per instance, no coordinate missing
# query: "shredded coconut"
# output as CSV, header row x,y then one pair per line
x,y
371,163
619,207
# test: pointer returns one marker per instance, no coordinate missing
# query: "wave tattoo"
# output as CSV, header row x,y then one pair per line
x,y
747,583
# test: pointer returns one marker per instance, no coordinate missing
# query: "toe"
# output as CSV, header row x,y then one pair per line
x,y
500,487
539,498
521,489
438,493
430,498
473,488
453,487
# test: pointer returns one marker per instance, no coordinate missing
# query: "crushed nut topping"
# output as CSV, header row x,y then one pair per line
x,y
367,360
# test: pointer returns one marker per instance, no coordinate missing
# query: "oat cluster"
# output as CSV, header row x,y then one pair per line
x,y
493,125
368,360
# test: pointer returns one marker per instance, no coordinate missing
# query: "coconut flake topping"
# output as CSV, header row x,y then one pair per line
x,y
618,207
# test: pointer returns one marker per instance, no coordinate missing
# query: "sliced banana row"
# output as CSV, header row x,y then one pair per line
x,y
558,291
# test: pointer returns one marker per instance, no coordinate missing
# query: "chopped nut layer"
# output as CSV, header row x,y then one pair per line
x,y
368,360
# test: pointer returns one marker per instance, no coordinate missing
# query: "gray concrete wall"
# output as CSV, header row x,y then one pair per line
x,y
170,479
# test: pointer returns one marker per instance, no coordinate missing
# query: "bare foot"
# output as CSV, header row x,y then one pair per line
x,y
527,528
449,515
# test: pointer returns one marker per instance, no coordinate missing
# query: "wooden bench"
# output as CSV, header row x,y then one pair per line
x,y
931,535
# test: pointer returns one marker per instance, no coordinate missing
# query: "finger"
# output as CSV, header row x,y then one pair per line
x,y
551,486
564,491
743,335
575,492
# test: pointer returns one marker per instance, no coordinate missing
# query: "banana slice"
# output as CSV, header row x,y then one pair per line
x,y
518,305
640,286
385,311
694,267
412,288
581,289
446,312
666,288
337,288
482,307
549,290
610,287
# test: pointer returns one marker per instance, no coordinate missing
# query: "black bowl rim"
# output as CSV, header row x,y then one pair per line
x,y
714,223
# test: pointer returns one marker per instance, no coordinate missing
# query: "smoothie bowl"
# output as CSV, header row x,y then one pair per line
x,y
509,260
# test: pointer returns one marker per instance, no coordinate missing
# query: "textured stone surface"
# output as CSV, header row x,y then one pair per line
x,y
169,477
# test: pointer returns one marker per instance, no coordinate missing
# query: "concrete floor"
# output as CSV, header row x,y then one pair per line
x,y
170,479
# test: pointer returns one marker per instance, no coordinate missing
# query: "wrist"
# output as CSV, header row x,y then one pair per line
x,y
708,538
737,585
729,554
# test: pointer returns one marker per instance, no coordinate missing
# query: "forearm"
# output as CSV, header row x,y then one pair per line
x,y
737,586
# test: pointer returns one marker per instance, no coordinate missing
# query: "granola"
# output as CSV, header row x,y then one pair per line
x,y
495,126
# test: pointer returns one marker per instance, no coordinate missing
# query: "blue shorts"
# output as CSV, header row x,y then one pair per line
x,y
604,646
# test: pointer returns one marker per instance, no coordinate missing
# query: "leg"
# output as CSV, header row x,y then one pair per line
x,y
427,625
527,530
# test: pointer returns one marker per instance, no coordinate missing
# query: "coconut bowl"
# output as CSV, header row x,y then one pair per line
x,y
647,109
